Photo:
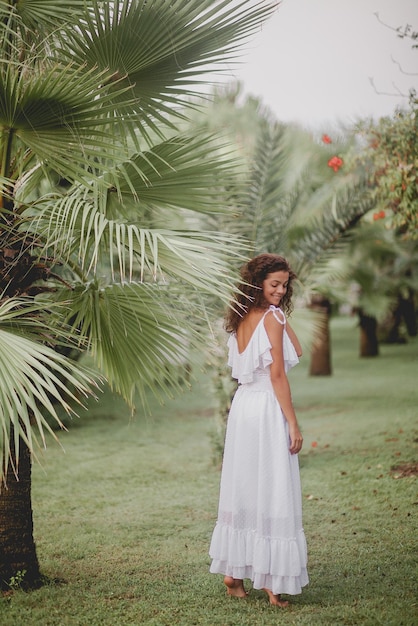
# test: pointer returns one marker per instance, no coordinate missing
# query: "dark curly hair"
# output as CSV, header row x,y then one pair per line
x,y
250,293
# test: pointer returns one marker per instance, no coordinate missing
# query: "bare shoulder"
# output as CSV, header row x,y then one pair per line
x,y
275,316
273,327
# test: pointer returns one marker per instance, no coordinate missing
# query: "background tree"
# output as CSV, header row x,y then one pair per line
x,y
380,276
391,151
92,171
391,156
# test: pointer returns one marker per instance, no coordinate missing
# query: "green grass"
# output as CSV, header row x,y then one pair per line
x,y
124,517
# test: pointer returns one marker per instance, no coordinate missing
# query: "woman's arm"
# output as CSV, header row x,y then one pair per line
x,y
280,382
294,339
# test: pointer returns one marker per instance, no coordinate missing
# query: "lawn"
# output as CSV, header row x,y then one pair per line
x,y
123,519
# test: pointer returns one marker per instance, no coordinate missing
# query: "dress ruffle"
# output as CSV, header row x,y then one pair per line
x,y
270,562
257,354
289,353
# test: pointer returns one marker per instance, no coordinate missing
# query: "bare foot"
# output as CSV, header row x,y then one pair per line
x,y
235,587
276,600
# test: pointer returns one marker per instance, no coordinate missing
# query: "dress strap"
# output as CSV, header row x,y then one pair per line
x,y
278,314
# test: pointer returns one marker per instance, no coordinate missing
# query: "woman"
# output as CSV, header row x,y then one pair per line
x,y
259,533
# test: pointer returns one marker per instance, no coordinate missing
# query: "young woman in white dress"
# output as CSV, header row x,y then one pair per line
x,y
259,533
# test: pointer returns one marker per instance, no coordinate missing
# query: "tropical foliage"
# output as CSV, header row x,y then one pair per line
x,y
300,196
382,268
390,153
92,174
97,250
297,195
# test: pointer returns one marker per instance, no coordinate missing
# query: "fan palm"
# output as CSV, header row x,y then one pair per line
x,y
92,173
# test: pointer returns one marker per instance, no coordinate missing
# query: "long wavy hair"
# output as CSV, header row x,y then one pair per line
x,y
250,290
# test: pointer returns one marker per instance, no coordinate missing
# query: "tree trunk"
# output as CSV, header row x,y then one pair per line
x,y
390,330
409,313
369,345
18,560
320,364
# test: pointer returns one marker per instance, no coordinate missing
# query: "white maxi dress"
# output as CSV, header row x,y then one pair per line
x,y
258,533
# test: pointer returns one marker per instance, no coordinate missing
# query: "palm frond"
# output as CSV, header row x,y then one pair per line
x,y
33,14
159,49
198,258
34,378
318,238
186,172
261,203
61,115
135,333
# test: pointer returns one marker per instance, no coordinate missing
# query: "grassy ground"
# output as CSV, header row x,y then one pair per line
x,y
123,519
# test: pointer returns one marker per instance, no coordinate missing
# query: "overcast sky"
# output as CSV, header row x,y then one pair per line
x,y
313,60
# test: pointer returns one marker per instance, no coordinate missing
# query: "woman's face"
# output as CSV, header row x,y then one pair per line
x,y
275,287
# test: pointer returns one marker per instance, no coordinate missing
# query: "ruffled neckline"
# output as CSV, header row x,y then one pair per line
x,y
257,353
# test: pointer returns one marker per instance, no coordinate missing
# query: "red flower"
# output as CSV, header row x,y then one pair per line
x,y
335,163
379,216
326,139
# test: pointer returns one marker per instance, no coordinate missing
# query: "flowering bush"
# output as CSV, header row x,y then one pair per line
x,y
392,157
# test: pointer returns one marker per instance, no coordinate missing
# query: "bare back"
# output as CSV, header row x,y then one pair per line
x,y
247,327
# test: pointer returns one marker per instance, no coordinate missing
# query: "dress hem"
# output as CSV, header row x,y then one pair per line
x,y
290,585
278,564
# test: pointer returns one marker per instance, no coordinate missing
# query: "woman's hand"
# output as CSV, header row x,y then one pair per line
x,y
296,439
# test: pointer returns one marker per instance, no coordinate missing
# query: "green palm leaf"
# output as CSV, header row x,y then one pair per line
x,y
181,173
186,172
267,202
35,13
36,377
199,258
319,238
135,334
159,49
61,115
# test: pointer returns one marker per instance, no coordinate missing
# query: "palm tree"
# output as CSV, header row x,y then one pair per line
x,y
381,268
292,202
93,173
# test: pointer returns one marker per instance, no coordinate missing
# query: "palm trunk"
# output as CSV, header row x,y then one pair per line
x,y
320,364
369,345
18,559
390,329
409,313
